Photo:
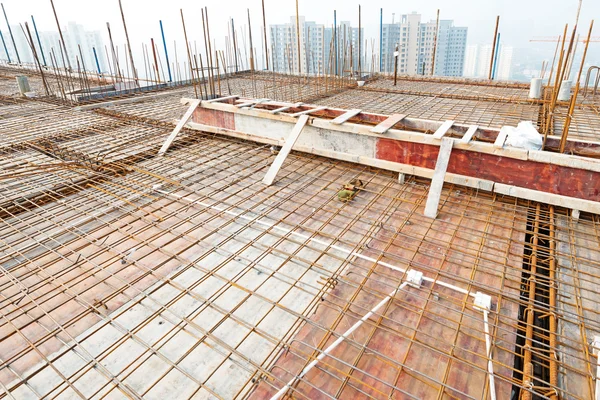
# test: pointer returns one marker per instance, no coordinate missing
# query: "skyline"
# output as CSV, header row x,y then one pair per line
x,y
143,21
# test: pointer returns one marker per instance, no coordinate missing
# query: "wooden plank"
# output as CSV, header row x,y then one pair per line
x,y
278,110
441,131
250,103
182,122
548,198
219,99
437,182
259,102
386,125
469,134
306,112
285,150
501,138
346,116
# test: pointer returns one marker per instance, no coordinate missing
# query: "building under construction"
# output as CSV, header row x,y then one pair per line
x,y
261,235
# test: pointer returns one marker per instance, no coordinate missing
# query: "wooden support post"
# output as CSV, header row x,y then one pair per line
x,y
186,117
285,150
437,182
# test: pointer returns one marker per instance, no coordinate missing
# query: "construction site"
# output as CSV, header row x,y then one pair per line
x,y
254,234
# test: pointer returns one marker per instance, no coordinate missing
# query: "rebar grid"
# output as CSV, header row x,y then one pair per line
x,y
251,283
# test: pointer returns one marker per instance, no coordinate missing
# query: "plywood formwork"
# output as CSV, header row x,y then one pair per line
x,y
183,276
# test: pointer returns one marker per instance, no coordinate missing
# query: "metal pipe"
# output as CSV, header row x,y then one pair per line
x,y
437,27
97,62
381,40
335,41
250,39
396,54
5,48
265,35
496,56
38,40
162,32
298,37
359,44
494,47
11,34
488,349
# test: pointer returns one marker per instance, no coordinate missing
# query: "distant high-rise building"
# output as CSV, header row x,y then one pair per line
x,y
504,63
471,54
416,42
316,46
75,35
478,59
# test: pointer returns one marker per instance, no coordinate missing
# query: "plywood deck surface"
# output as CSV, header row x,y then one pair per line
x,y
127,275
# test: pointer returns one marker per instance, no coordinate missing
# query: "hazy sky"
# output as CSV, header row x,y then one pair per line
x,y
520,20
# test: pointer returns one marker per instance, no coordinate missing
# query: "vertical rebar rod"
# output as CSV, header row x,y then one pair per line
x,y
553,60
209,58
114,55
235,59
155,59
133,70
36,59
62,39
569,117
265,35
494,47
437,28
187,47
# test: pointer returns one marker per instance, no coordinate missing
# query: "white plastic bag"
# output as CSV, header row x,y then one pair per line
x,y
524,136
